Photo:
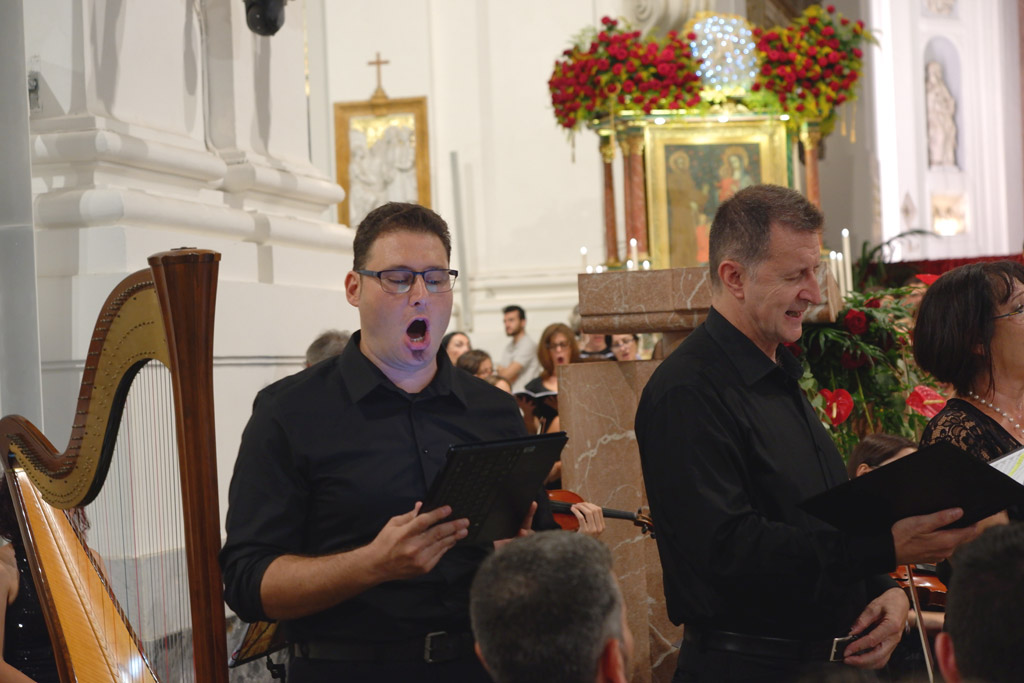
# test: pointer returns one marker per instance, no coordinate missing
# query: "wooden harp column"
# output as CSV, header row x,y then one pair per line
x,y
162,313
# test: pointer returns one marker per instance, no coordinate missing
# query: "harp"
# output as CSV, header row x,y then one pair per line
x,y
162,313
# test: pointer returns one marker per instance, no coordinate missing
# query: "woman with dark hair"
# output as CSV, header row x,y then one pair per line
x,y
623,346
969,333
27,652
875,450
456,344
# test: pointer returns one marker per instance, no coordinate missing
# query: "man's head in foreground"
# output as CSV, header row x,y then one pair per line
x,y
546,607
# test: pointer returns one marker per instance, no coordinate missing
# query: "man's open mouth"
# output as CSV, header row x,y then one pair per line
x,y
417,330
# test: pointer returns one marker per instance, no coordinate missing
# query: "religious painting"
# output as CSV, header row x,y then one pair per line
x,y
382,154
694,166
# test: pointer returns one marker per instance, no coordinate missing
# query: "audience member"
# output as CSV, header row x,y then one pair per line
x,y
985,609
455,344
325,531
557,348
519,360
592,346
329,344
875,450
477,363
548,608
623,346
499,381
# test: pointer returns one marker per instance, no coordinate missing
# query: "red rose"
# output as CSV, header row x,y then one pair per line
x,y
800,107
856,322
827,31
852,362
844,21
831,9
873,303
858,53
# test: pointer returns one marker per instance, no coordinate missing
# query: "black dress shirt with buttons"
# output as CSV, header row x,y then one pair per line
x,y
729,446
328,456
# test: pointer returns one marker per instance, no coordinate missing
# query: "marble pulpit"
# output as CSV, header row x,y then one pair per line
x,y
597,404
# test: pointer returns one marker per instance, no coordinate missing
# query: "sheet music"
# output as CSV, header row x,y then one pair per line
x,y
1011,464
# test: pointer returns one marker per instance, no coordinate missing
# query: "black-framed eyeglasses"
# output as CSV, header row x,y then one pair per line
x,y
623,343
1016,311
558,346
437,280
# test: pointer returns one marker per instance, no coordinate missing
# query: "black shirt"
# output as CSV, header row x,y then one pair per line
x,y
328,457
729,445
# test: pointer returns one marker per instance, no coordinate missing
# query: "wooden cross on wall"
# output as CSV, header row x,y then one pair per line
x,y
379,93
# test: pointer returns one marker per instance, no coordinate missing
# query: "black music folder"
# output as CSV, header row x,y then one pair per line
x,y
934,478
492,483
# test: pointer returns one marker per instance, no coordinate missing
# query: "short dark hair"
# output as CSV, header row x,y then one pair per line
x,y
544,354
743,224
956,317
517,309
985,604
392,217
471,360
875,449
328,344
531,623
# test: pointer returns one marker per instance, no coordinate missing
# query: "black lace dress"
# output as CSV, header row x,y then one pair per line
x,y
965,426
26,638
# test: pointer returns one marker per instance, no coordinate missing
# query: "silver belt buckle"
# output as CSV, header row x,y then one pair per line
x,y
428,646
839,647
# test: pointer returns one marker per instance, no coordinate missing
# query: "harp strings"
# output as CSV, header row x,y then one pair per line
x,y
137,528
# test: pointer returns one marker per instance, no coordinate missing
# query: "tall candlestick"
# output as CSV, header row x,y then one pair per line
x,y
583,255
842,276
847,260
833,268
632,250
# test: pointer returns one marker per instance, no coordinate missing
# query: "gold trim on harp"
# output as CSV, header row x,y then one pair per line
x,y
134,333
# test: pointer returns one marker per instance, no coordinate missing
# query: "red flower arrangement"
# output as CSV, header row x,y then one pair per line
x,y
859,374
619,71
812,66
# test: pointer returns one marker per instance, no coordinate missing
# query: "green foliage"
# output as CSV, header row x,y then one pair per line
x,y
867,352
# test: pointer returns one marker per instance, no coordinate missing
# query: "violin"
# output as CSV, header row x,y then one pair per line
x,y
562,502
931,592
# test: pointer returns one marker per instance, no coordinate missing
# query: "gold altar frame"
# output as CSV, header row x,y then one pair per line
x,y
379,116
685,161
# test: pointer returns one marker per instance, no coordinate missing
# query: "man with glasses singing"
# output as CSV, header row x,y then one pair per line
x,y
324,525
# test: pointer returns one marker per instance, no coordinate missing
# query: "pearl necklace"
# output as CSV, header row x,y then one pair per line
x,y
979,399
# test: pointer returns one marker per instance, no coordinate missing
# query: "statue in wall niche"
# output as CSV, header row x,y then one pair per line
x,y
940,107
658,17
940,7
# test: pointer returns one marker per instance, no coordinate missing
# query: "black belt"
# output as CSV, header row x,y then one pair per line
x,y
762,646
439,646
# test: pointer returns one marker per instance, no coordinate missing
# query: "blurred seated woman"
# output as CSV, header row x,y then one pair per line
x,y
623,346
477,363
969,333
455,344
27,653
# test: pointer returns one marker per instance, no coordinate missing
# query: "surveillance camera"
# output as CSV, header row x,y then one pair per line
x,y
264,17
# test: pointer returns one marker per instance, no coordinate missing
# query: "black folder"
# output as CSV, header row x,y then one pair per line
x,y
933,478
492,483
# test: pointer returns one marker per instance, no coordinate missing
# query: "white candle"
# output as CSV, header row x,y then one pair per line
x,y
583,255
833,267
842,276
847,260
632,249
630,264
590,269
646,264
